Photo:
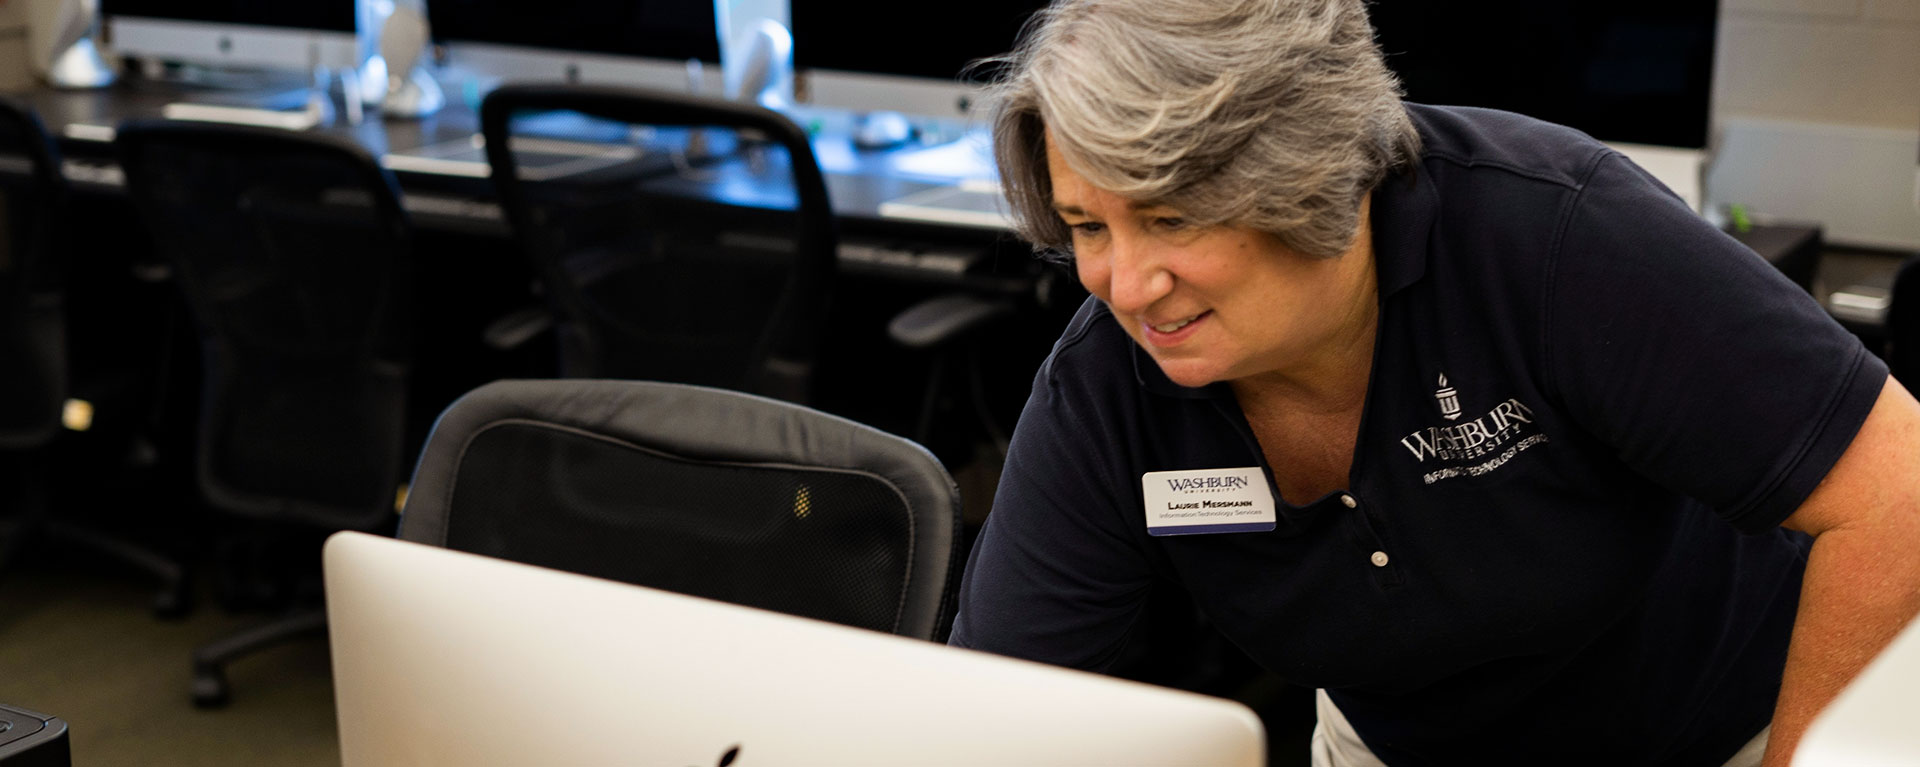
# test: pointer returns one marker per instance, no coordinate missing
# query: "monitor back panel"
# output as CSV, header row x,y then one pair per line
x,y
446,658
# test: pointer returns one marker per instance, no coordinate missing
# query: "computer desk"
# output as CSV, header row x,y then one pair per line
x,y
930,253
464,241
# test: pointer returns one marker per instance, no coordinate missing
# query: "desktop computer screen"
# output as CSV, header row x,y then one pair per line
x,y
442,657
335,15
1634,72
660,29
642,42
270,33
880,55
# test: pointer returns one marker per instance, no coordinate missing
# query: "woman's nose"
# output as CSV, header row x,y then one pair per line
x,y
1137,275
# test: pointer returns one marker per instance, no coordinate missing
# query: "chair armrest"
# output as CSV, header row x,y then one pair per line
x,y
940,320
517,328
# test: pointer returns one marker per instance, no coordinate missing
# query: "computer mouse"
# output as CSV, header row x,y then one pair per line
x,y
881,130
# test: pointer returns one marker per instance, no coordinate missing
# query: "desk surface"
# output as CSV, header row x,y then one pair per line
x,y
858,182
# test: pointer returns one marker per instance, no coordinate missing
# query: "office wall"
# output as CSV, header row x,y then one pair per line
x,y
1818,108
13,45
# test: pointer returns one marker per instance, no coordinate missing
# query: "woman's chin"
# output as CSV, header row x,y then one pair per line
x,y
1192,374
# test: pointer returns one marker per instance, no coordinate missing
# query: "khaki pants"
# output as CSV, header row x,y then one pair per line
x,y
1336,745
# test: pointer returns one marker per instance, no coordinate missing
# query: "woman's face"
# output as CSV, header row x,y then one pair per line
x,y
1212,303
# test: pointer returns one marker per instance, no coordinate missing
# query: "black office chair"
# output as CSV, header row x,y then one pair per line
x,y
29,739
611,193
1903,325
696,490
293,254
33,351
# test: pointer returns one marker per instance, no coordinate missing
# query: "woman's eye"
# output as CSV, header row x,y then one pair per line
x,y
1170,222
1087,228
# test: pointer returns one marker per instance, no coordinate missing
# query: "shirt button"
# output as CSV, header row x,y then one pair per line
x,y
1379,559
1349,501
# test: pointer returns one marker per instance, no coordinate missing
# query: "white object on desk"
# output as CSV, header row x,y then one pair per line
x,y
969,157
1861,303
89,132
538,159
1876,720
461,157
300,119
446,658
974,204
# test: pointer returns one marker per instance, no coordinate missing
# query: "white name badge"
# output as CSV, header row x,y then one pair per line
x,y
1208,501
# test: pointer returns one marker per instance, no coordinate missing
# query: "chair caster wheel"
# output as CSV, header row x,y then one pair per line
x,y
172,603
210,689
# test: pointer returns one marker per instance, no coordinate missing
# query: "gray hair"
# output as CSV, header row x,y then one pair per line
x,y
1278,115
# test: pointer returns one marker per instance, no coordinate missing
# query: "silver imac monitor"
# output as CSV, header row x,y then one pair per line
x,y
447,658
1872,722
279,34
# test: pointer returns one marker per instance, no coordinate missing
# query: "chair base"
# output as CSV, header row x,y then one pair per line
x,y
175,597
210,687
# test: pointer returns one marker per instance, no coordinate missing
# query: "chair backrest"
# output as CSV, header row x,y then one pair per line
x,y
293,254
701,491
33,356
1903,325
678,238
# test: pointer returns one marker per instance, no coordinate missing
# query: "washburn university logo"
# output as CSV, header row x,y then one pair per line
x,y
1449,400
1206,484
1473,447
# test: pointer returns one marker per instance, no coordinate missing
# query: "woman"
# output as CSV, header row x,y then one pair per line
x,y
1455,415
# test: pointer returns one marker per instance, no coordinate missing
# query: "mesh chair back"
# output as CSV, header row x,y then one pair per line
x,y
1903,325
696,490
678,238
293,254
32,321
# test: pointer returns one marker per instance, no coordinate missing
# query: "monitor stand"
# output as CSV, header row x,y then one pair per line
x,y
882,129
80,66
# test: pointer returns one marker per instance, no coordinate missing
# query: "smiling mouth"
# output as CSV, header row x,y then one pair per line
x,y
1177,324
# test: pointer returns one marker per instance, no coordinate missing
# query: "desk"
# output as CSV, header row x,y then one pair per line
x,y
887,264
858,182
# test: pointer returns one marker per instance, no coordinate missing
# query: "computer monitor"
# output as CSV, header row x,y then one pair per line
x,y
1630,71
1872,721
441,657
1636,74
288,34
869,55
645,42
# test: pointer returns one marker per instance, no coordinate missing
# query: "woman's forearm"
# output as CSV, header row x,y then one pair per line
x,y
1862,585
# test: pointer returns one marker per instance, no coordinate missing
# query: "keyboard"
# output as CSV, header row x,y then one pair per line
x,y
974,204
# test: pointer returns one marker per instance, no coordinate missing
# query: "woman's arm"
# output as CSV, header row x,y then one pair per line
x,y
1862,581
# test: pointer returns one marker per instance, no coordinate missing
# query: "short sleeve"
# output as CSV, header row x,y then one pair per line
x,y
1056,576
1705,368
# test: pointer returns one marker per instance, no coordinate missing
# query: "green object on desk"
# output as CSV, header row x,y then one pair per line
x,y
1742,223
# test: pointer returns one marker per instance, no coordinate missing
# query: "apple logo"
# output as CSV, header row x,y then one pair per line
x,y
728,757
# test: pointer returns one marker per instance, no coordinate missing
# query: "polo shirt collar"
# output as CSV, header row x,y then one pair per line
x,y
1404,208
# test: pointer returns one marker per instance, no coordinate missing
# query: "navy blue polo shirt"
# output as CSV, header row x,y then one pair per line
x,y
1588,412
